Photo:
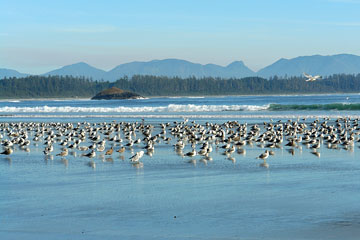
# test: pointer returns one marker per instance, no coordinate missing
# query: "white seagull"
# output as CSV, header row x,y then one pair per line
x,y
311,78
137,156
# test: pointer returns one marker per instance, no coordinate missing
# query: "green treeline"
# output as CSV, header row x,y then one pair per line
x,y
165,86
50,87
71,87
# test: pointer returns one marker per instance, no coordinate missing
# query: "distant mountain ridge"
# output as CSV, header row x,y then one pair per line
x,y
315,64
78,70
179,68
4,72
166,67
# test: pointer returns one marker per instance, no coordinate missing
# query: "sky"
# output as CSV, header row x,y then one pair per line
x,y
40,35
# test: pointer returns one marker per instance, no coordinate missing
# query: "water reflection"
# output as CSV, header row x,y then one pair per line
x,y
65,162
7,160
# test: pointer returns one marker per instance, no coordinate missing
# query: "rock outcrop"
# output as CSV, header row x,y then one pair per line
x,y
115,93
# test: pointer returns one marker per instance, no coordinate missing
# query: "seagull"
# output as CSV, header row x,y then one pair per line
x,y
264,155
64,153
7,151
90,154
137,156
191,154
311,78
203,152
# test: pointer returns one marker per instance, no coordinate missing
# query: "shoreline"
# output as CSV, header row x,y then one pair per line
x,y
170,96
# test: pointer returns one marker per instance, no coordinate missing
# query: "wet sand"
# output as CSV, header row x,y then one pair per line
x,y
299,196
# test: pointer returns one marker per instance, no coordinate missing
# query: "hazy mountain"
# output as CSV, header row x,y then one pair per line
x,y
4,72
316,64
180,68
78,70
167,67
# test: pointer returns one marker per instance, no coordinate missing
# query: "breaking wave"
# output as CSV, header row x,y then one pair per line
x,y
169,108
179,108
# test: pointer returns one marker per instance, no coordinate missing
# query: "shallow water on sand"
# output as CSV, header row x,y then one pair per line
x,y
300,196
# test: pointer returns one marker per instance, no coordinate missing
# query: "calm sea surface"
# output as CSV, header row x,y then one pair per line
x,y
300,195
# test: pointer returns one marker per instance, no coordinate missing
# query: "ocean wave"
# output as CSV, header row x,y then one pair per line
x,y
168,108
182,108
331,106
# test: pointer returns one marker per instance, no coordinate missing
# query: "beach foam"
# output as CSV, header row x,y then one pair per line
x,y
169,108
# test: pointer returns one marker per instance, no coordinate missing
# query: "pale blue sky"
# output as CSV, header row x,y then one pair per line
x,y
37,36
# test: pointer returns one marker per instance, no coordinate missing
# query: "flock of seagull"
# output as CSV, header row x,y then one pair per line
x,y
89,139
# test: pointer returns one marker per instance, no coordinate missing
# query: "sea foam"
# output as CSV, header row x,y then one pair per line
x,y
122,109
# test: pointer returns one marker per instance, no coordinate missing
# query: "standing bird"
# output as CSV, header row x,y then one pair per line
x,y
90,154
121,150
230,150
191,154
7,151
64,153
316,145
101,148
203,152
137,156
264,155
110,151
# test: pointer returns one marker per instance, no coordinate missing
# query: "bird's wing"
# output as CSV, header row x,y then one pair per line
x,y
307,75
136,155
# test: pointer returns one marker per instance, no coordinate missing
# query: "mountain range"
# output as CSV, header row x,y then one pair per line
x,y
316,64
4,72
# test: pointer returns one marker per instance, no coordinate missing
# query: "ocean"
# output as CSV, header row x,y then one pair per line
x,y
300,195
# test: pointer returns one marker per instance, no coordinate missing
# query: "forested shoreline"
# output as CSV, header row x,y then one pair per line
x,y
80,87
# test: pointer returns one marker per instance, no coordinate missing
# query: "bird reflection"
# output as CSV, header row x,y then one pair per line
x,y
291,151
65,162
264,164
8,160
232,159
203,160
317,154
241,151
92,164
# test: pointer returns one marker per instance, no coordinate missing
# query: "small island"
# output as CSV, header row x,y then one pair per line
x,y
115,93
